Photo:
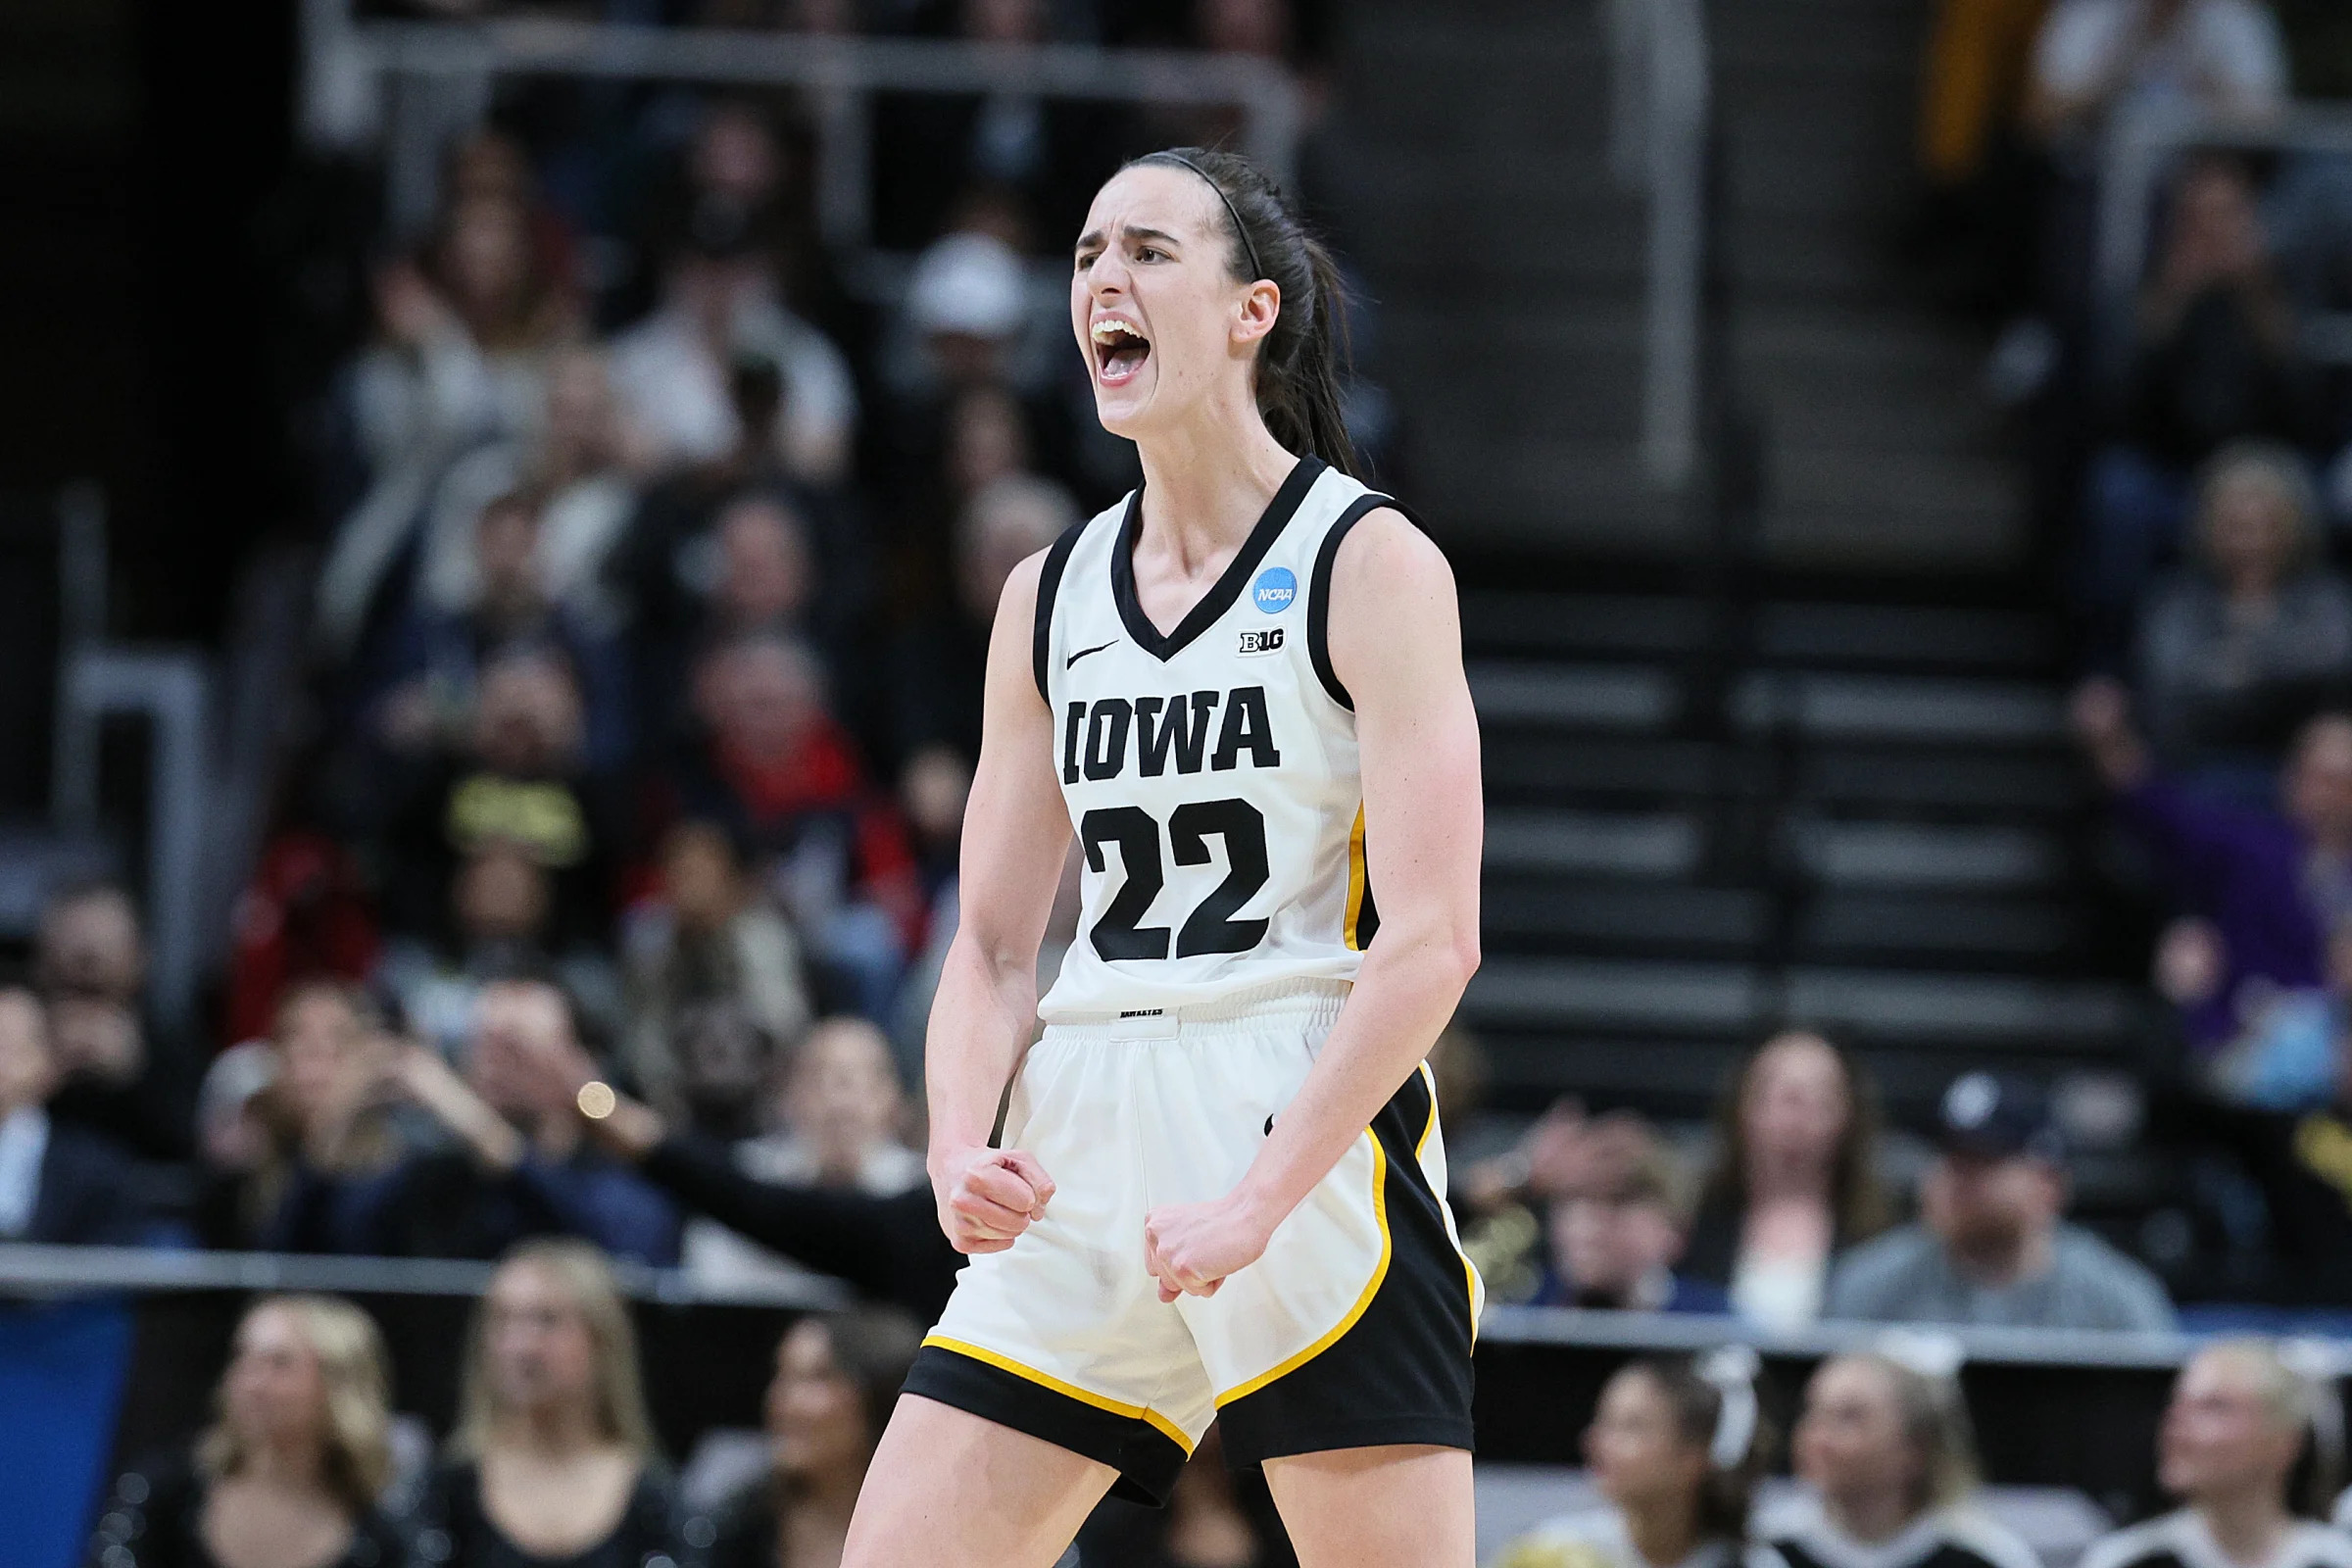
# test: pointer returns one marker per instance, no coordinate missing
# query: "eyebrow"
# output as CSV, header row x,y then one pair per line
x,y
1132,232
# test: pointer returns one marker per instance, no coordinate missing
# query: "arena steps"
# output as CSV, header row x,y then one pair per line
x,y
1707,817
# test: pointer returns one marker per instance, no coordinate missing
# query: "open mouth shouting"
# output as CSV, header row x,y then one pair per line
x,y
1120,349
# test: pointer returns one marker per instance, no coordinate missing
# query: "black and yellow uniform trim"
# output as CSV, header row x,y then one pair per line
x,y
1396,1368
1143,1447
1362,921
1318,594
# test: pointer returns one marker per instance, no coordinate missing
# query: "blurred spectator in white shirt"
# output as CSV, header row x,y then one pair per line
x,y
2097,61
671,369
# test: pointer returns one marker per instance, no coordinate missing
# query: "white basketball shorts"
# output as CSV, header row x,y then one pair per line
x,y
1353,1329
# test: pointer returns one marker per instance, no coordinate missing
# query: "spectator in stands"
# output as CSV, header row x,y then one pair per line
x,y
709,937
122,1073
520,779
502,924
577,462
2211,359
1989,1246
1794,1182
780,772
305,912
2239,1429
59,1183
2301,1158
836,1382
1614,1243
720,301
552,1460
295,1463
940,661
2235,654
934,788
494,1162
839,1123
2262,887
668,568
1675,1450
2097,61
304,1123
436,657
890,1247
464,342
1889,1466
1046,155
1588,1212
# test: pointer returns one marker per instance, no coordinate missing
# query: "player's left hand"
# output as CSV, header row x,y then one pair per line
x,y
1192,1248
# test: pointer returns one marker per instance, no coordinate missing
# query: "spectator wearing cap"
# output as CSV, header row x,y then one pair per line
x,y
1990,1247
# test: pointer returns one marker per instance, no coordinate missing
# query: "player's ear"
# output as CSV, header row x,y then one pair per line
x,y
1260,309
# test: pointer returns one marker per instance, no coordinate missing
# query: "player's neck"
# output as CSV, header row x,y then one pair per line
x,y
1205,486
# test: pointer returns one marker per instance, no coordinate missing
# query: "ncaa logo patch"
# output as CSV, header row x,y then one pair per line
x,y
1274,590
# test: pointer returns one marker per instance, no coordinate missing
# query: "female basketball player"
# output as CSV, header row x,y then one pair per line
x,y
1220,1190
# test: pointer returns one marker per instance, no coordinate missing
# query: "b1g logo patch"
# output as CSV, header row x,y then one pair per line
x,y
1262,642
1275,588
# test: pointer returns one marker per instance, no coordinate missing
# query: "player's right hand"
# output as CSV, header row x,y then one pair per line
x,y
987,1197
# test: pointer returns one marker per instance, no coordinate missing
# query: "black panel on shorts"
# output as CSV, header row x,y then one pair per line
x,y
1146,1457
1048,583
1402,1373
1318,590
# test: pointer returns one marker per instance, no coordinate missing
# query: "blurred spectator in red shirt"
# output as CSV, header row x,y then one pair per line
x,y
779,771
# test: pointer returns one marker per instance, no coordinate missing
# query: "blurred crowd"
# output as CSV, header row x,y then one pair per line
x,y
2189,429
553,1457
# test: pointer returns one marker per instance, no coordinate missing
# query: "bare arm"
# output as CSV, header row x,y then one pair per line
x,y
1016,833
1396,645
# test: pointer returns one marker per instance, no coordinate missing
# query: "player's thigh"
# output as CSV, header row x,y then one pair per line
x,y
1399,1507
949,1490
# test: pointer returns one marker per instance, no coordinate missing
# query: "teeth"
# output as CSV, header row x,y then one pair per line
x,y
1110,328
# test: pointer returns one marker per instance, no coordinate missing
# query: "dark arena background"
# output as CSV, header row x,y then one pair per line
x,y
501,508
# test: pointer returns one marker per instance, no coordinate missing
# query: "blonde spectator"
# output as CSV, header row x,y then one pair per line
x,y
1888,1460
553,1459
2236,1449
290,1472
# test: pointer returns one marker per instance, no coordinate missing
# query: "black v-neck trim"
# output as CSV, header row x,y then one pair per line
x,y
1227,588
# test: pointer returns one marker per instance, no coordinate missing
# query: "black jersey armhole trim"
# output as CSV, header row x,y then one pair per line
x,y
1048,583
1228,588
1318,591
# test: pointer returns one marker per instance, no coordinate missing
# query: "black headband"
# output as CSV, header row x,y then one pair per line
x,y
1239,227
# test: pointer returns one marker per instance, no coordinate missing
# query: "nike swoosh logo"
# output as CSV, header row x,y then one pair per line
x,y
1083,652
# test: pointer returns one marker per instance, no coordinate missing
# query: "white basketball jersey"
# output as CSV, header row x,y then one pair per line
x,y
1211,771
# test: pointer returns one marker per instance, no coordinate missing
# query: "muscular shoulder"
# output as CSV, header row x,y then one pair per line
x,y
1385,554
1393,620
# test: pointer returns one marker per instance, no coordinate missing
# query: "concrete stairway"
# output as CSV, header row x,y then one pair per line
x,y
1509,271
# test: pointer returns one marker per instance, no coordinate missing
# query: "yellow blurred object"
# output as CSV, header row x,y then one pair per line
x,y
1975,80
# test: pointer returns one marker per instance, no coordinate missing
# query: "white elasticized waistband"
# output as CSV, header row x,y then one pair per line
x,y
1308,1002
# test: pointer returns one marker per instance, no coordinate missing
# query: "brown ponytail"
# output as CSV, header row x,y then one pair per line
x,y
1299,365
